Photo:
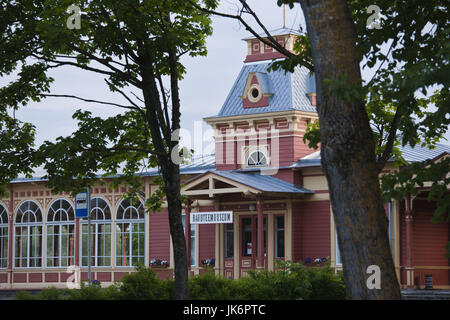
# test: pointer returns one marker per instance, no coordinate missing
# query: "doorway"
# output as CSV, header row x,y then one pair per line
x,y
248,244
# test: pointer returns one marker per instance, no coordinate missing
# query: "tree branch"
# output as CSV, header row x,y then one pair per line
x,y
272,42
381,161
106,63
93,101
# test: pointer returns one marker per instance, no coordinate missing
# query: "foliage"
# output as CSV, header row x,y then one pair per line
x,y
136,46
144,285
325,284
289,281
312,135
208,286
408,97
16,148
114,145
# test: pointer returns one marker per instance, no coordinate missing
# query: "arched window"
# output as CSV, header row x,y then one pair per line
x,y
3,237
257,159
101,240
60,234
130,234
28,236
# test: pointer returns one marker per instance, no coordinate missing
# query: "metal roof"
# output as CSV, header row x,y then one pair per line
x,y
419,153
260,182
416,154
198,164
289,91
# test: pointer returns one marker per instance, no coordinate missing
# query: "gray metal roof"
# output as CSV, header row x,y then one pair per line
x,y
416,154
289,91
264,183
419,153
198,164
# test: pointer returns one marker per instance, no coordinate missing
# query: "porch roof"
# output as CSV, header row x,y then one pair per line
x,y
239,182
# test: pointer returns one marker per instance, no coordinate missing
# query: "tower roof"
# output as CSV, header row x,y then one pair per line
x,y
288,91
275,32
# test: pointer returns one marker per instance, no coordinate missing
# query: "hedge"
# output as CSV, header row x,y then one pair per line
x,y
289,281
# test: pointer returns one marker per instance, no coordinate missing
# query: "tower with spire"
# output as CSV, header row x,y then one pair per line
x,y
266,112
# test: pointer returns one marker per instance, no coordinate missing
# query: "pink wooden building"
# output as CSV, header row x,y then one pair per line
x,y
267,183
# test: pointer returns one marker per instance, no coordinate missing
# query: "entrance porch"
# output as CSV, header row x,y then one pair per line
x,y
261,206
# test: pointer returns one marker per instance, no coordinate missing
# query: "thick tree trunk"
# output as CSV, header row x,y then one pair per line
x,y
348,153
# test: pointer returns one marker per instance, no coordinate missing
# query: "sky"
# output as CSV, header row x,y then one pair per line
x,y
202,91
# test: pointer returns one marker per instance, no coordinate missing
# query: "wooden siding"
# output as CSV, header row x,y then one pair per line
x,y
159,236
311,230
207,238
429,242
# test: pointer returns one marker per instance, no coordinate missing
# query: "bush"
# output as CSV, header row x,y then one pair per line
x,y
289,281
144,284
93,292
208,286
50,293
325,284
25,295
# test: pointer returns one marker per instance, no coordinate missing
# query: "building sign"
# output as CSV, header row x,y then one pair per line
x,y
81,205
212,217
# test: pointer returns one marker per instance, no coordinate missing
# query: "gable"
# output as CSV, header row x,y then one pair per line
x,y
257,91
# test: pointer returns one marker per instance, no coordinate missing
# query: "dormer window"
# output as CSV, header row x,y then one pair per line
x,y
257,159
257,90
254,93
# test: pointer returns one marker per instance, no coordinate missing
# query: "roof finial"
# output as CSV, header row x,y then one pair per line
x,y
284,15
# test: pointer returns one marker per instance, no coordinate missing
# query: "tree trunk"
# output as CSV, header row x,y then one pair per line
x,y
348,153
170,174
176,231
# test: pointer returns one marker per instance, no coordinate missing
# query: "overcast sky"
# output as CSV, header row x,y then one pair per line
x,y
203,90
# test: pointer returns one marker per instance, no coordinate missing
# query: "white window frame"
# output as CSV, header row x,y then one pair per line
x,y
95,224
28,226
68,222
140,210
4,225
250,96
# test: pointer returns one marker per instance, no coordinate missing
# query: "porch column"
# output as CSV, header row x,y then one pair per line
x,y
409,241
187,228
260,239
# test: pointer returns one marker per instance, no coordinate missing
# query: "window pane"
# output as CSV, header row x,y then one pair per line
x,y
246,237
229,240
279,237
3,247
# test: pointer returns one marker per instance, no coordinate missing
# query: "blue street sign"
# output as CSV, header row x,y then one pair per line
x,y
81,205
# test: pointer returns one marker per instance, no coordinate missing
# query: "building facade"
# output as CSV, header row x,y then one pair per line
x,y
267,183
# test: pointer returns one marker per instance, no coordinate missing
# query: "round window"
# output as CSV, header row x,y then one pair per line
x,y
254,93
